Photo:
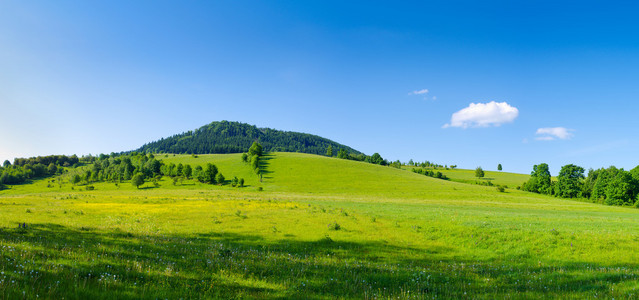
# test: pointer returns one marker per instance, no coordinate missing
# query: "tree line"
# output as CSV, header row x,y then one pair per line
x,y
24,169
430,173
611,186
377,159
116,168
252,157
142,167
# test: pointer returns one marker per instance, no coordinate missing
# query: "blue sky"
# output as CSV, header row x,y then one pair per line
x,y
510,83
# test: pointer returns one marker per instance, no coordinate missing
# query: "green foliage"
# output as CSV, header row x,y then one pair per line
x,y
334,226
255,163
220,178
499,167
479,172
342,154
52,169
24,169
209,173
180,170
621,189
376,159
396,164
187,171
540,180
234,137
137,180
58,160
611,186
241,182
570,181
430,173
76,179
255,150
329,151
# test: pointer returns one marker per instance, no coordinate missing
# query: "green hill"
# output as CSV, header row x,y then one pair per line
x,y
322,228
235,137
511,180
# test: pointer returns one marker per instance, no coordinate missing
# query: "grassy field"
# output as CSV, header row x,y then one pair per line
x,y
511,180
322,228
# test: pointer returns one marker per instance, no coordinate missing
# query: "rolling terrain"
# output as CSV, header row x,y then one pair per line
x,y
321,228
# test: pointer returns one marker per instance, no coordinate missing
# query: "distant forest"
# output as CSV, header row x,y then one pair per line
x,y
235,137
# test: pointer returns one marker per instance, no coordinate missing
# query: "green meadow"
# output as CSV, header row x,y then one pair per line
x,y
312,227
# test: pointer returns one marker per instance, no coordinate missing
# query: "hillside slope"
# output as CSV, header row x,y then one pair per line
x,y
235,137
322,228
307,174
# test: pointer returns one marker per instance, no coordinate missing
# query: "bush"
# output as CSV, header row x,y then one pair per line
x,y
334,226
220,178
501,188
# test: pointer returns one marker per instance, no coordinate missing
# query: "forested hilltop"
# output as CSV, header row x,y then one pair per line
x,y
235,137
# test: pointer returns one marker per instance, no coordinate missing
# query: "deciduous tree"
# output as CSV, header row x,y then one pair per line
x,y
479,172
569,181
137,180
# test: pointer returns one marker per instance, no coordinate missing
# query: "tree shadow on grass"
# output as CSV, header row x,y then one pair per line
x,y
264,165
59,261
148,187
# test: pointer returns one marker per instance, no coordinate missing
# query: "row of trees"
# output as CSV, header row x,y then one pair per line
x,y
430,173
610,186
58,160
428,164
24,169
376,158
138,167
141,167
253,157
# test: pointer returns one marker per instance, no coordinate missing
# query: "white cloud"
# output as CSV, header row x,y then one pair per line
x,y
552,133
483,115
420,92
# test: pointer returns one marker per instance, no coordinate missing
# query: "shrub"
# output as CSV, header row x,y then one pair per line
x,y
334,226
220,178
501,188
